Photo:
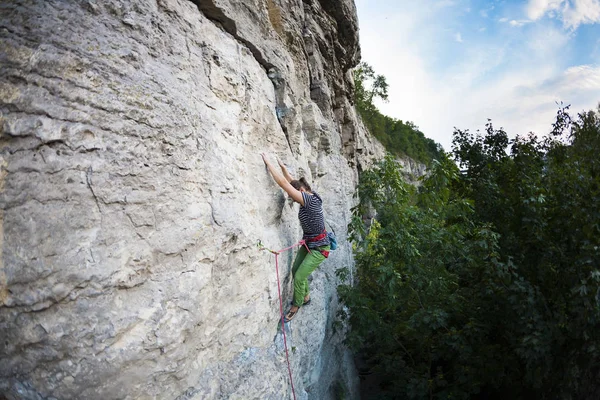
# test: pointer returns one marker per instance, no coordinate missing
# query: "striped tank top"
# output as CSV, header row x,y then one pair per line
x,y
312,219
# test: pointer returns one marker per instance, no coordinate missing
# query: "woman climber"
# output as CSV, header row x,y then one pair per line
x,y
313,225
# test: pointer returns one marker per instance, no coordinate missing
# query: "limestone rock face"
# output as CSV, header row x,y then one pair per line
x,y
133,194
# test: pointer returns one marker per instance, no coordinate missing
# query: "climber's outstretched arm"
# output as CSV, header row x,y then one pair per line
x,y
286,174
283,182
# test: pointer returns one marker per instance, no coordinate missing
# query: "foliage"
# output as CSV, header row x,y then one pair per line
x,y
485,283
400,138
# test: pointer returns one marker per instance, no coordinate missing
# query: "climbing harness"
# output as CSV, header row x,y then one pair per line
x,y
276,253
320,236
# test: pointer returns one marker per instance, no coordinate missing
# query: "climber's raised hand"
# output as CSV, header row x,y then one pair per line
x,y
283,181
264,157
285,171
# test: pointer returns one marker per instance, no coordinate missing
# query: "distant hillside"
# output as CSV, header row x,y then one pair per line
x,y
398,137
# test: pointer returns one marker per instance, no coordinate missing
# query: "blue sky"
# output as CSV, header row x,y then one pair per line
x,y
455,63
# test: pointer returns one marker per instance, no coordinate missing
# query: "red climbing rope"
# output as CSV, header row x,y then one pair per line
x,y
287,355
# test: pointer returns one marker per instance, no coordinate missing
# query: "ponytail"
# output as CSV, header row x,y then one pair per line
x,y
305,184
301,183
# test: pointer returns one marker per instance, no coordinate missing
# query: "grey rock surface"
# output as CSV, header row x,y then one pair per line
x,y
133,194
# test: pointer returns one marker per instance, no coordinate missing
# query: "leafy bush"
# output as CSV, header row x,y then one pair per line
x,y
485,283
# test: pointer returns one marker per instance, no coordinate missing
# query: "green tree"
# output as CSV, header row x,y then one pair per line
x,y
484,283
368,87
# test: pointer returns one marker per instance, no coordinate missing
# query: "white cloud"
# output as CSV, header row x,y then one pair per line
x,y
538,8
520,22
571,85
458,37
581,12
572,12
578,86
575,79
515,22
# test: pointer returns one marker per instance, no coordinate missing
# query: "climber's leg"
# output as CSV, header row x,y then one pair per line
x,y
311,261
302,252
299,258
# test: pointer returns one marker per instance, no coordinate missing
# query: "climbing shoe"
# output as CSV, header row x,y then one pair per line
x,y
290,316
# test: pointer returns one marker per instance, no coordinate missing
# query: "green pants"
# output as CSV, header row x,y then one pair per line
x,y
304,264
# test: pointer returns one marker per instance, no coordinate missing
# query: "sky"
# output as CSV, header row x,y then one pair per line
x,y
456,63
